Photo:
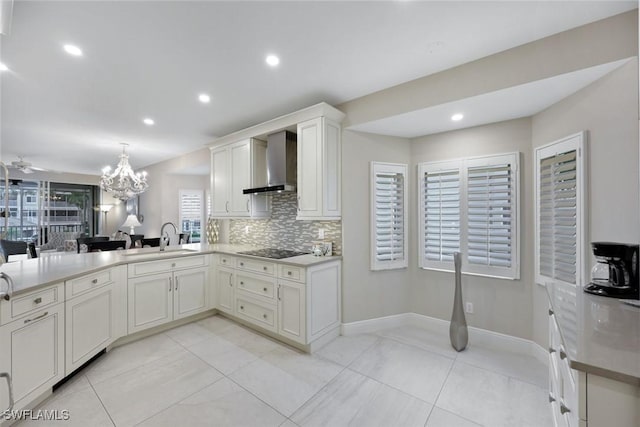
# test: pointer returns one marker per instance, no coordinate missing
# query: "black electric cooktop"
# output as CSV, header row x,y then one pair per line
x,y
273,253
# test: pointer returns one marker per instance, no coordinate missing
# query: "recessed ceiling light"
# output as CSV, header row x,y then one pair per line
x,y
148,121
72,50
204,98
3,67
272,60
457,117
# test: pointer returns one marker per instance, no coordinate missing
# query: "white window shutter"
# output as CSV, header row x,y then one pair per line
x,y
191,212
389,216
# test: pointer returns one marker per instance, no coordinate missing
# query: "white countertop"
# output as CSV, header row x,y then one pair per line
x,y
51,268
601,335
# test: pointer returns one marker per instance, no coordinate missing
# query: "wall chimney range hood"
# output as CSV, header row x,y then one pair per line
x,y
282,164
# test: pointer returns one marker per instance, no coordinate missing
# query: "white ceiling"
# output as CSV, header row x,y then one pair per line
x,y
147,58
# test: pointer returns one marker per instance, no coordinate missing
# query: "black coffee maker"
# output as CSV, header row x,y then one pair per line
x,y
616,272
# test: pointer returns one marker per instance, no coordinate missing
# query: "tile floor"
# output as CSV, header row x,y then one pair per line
x,y
215,372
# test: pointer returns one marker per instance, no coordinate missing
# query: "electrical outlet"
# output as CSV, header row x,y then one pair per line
x,y
321,233
468,307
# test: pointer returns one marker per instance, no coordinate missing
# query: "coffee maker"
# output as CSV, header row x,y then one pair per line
x,y
616,271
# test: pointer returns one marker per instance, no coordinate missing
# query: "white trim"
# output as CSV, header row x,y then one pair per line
x,y
477,336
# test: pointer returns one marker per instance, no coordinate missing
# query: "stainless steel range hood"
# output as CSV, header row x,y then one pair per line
x,y
282,164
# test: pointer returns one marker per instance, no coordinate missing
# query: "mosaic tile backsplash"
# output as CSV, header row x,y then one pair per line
x,y
282,230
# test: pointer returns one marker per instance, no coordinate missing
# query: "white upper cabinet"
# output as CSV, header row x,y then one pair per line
x,y
319,172
235,167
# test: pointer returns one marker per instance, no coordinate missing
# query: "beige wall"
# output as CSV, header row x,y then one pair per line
x,y
608,110
367,294
499,305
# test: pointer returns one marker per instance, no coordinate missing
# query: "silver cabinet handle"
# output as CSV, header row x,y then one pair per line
x,y
264,268
170,284
176,284
288,273
7,376
248,210
551,398
264,289
7,295
564,409
45,314
278,292
37,300
242,307
552,350
173,265
94,281
550,312
264,315
242,264
563,355
226,206
241,283
230,284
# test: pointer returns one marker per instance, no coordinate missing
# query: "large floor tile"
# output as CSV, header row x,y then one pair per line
x,y
352,399
493,399
345,349
520,366
189,334
407,368
218,324
224,355
138,394
83,406
441,418
285,378
436,342
131,356
78,382
223,403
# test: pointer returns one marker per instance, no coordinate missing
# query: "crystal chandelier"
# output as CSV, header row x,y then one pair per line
x,y
123,183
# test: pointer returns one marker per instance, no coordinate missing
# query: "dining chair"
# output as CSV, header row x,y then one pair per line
x,y
184,238
136,240
12,247
109,245
86,240
154,241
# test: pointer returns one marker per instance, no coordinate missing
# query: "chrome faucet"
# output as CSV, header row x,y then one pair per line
x,y
164,236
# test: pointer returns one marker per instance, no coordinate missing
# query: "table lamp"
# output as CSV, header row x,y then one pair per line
x,y
132,221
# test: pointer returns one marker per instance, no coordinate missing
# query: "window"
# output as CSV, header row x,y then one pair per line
x,y
560,222
191,210
471,206
388,216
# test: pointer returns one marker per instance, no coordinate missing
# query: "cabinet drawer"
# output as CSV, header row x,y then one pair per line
x,y
290,272
260,286
83,284
154,267
261,314
27,304
226,260
255,266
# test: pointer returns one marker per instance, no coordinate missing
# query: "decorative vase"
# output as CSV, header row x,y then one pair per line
x,y
213,230
458,332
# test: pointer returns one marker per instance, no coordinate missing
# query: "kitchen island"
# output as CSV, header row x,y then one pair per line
x,y
65,309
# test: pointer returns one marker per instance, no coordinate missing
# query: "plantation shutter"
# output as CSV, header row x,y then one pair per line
x,y
441,221
389,216
558,214
191,210
490,213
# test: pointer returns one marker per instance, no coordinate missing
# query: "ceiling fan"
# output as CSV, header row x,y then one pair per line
x,y
25,167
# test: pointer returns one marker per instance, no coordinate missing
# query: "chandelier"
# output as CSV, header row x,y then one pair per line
x,y
123,183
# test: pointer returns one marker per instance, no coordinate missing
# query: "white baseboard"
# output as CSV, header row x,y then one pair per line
x,y
440,326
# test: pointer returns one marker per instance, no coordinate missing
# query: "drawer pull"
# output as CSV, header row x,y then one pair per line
x,y
550,312
224,260
241,283
264,289
173,265
564,409
278,292
563,355
37,300
94,281
551,398
176,284
288,273
45,314
264,315
552,350
242,307
170,284
242,264
264,268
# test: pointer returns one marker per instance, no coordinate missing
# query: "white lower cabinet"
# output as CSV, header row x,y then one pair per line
x,y
297,303
32,351
96,317
159,298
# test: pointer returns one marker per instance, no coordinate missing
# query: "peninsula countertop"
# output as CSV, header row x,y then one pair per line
x,y
56,267
601,335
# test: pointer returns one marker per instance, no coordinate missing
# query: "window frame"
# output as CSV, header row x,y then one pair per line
x,y
577,142
200,194
463,165
392,168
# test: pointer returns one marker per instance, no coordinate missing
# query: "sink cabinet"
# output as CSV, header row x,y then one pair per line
x,y
180,291
235,167
319,170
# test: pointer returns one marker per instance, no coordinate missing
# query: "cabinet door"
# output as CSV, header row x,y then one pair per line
x,y
291,310
310,168
150,301
331,169
224,284
190,292
220,182
32,351
90,325
239,204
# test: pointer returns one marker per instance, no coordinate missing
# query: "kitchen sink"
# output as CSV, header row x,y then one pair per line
x,y
156,252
